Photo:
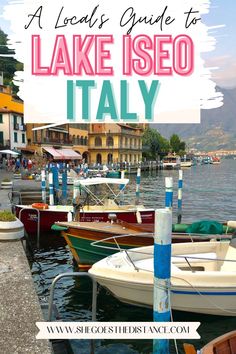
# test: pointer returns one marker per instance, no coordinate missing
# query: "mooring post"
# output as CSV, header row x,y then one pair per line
x,y
138,181
55,183
43,185
64,185
169,192
51,192
180,187
122,186
162,262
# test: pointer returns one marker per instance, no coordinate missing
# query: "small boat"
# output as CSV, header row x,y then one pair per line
x,y
81,235
171,161
99,198
203,277
215,160
186,162
225,344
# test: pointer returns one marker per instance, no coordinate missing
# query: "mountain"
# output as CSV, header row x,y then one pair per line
x,y
217,129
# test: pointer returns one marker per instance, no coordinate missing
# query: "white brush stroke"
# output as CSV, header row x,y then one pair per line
x,y
179,99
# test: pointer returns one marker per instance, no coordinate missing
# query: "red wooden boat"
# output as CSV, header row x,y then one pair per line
x,y
100,208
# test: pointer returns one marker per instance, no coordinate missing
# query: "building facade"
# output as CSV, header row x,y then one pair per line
x,y
114,143
12,127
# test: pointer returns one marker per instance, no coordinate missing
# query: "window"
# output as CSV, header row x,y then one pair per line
x,y
1,119
15,137
15,120
110,141
23,138
109,158
99,158
22,120
98,141
1,138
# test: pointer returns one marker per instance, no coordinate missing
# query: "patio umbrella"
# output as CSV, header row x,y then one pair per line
x,y
10,152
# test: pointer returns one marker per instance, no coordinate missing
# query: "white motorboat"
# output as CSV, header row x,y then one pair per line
x,y
171,161
203,277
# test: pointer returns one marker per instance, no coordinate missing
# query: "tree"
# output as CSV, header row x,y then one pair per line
x,y
154,144
8,65
176,144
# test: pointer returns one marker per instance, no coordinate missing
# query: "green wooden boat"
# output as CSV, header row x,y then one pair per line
x,y
80,236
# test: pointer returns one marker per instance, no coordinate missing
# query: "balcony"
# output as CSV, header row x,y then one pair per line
x,y
51,141
16,126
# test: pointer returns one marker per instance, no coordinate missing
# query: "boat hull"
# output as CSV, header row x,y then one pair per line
x,y
205,284
80,243
86,254
187,300
49,217
79,237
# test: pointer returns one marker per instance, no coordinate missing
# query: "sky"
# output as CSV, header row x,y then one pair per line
x,y
222,12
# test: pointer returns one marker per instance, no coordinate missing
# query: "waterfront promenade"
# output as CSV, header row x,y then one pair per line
x,y
19,304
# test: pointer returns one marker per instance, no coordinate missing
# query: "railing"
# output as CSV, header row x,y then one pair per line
x,y
53,141
38,221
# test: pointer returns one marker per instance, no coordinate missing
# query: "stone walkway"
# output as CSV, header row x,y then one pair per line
x,y
19,304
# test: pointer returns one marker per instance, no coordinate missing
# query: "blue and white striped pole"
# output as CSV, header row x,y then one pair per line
x,y
55,173
51,191
64,184
122,186
162,262
43,185
169,192
138,181
180,187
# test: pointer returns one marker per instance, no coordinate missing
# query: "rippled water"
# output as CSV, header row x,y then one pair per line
x,y
209,192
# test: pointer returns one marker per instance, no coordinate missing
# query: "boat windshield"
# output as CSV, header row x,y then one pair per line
x,y
102,191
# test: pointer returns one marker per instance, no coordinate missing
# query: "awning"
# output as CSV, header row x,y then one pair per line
x,y
59,130
10,152
63,154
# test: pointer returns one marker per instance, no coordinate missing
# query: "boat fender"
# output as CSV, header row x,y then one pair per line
x,y
138,217
69,216
40,206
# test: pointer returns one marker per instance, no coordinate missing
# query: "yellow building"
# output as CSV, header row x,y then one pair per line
x,y
74,136
12,127
78,134
114,143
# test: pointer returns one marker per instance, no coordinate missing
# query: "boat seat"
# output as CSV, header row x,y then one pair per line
x,y
195,257
228,266
147,264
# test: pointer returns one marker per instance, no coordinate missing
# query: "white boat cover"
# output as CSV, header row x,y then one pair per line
x,y
103,180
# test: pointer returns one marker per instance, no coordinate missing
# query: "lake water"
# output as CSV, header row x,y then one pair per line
x,y
209,192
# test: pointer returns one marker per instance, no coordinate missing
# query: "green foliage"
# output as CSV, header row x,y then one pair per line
x,y
6,180
176,144
154,144
8,65
6,215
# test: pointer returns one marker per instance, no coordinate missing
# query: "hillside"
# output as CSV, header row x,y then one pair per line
x,y
216,131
